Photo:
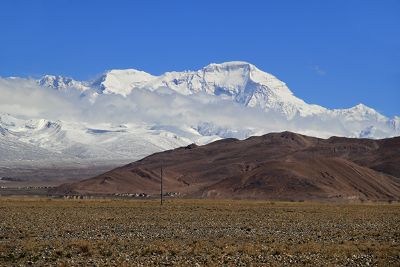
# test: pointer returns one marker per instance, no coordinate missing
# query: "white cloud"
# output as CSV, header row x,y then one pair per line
x,y
319,70
24,98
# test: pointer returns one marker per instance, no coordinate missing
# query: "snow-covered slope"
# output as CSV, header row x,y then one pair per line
x,y
395,123
121,81
67,140
128,114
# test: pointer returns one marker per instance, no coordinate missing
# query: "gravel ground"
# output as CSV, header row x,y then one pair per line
x,y
50,232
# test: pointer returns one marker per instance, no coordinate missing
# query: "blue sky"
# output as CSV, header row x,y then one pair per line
x,y
333,53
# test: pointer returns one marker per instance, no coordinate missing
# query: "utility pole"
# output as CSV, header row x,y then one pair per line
x,y
161,185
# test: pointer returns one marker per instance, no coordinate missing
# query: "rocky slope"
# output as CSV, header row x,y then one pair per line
x,y
285,166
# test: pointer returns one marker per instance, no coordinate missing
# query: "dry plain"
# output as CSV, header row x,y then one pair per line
x,y
107,232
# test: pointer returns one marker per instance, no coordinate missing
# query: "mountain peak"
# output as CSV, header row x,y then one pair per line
x,y
230,65
55,81
360,112
362,107
122,81
359,109
127,72
59,82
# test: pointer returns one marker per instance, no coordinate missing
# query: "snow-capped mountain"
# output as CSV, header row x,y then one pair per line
x,y
130,113
359,112
241,82
121,81
73,141
62,83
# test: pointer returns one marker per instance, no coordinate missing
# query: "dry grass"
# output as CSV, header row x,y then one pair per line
x,y
189,232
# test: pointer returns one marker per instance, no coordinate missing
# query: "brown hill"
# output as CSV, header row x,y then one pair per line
x,y
284,166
